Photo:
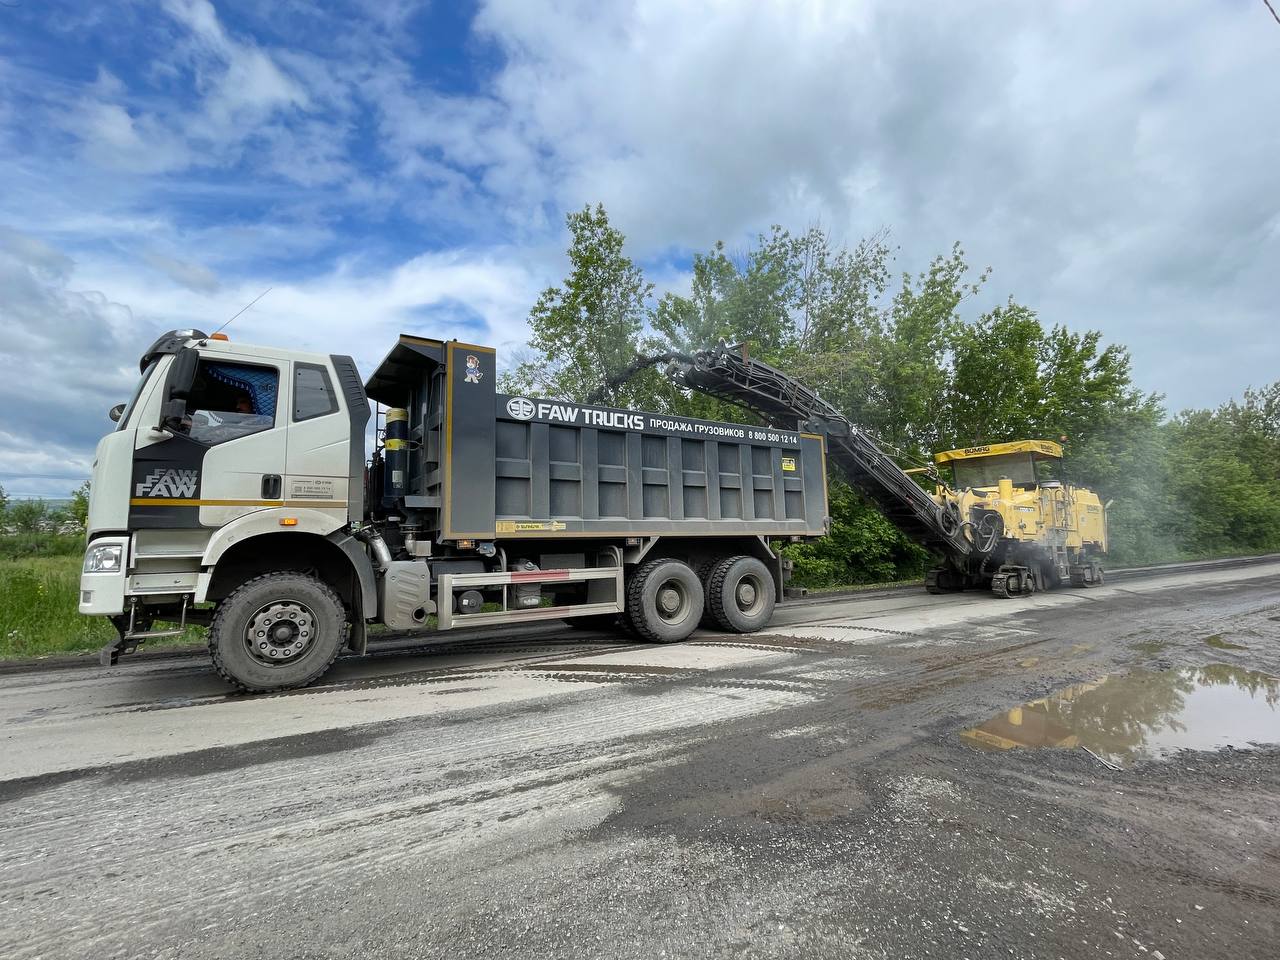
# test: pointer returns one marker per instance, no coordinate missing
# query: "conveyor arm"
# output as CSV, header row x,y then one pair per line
x,y
784,402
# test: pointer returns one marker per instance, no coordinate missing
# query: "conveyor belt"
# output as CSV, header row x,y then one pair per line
x,y
786,403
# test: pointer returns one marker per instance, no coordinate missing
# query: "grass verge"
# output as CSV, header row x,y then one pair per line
x,y
38,599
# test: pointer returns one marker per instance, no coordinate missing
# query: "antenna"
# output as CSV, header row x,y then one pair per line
x,y
242,310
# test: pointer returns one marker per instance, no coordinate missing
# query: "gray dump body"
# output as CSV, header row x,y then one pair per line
x,y
489,466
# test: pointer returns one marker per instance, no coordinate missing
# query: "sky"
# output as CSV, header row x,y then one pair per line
x,y
393,165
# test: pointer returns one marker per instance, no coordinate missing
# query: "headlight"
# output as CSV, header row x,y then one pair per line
x,y
104,558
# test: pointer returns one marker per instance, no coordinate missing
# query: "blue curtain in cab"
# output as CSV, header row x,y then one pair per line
x,y
258,382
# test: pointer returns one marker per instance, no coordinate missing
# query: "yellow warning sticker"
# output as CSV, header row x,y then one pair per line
x,y
789,464
526,526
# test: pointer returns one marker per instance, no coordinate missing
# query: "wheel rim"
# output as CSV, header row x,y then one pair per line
x,y
280,632
749,595
673,601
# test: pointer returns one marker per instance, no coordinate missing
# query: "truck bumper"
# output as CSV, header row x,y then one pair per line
x,y
102,591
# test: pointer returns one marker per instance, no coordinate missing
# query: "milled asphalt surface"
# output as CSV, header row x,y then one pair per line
x,y
803,792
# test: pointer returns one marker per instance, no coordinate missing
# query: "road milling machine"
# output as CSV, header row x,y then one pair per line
x,y
1027,526
1005,519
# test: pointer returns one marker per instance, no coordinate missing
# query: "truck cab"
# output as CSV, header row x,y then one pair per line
x,y
225,460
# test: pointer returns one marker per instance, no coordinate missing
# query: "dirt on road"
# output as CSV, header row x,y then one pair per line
x,y
889,776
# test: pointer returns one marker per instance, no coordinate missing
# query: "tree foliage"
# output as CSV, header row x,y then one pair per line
x,y
27,516
591,327
79,508
1224,475
910,358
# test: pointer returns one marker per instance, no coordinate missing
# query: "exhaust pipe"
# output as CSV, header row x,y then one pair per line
x,y
378,546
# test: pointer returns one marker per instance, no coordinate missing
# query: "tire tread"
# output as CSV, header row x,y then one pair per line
x,y
635,617
216,626
715,594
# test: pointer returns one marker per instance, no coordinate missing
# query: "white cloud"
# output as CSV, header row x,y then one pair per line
x,y
244,96
193,276
115,139
62,362
1113,162
71,351
352,309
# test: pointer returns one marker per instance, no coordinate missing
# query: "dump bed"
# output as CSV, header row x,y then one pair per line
x,y
487,465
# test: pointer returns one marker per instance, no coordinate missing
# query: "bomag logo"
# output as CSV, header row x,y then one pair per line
x,y
970,451
169,482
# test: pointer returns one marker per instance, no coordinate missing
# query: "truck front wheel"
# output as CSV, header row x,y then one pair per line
x,y
740,594
664,601
277,631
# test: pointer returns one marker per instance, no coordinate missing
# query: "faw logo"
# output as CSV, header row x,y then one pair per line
x,y
169,483
520,408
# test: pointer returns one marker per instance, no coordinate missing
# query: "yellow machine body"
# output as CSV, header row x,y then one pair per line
x,y
1048,530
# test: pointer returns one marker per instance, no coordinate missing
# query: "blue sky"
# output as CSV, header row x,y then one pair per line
x,y
407,165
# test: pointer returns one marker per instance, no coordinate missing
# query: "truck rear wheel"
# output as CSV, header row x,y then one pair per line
x,y
664,601
708,622
740,594
277,631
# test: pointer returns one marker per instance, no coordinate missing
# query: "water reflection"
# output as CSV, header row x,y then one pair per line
x,y
1145,714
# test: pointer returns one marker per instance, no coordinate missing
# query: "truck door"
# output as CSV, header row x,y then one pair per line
x,y
238,416
318,465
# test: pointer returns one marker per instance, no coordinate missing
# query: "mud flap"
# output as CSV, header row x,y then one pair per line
x,y
358,635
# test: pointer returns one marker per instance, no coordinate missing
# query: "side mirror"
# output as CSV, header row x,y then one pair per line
x,y
116,412
182,377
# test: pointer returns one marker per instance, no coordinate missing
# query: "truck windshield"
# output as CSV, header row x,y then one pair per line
x,y
133,401
987,471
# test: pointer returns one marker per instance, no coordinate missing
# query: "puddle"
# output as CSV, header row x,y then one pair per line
x,y
1144,714
1219,643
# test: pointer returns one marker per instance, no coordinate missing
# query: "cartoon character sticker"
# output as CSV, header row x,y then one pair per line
x,y
473,369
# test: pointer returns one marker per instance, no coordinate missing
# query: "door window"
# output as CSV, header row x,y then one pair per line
x,y
313,394
231,400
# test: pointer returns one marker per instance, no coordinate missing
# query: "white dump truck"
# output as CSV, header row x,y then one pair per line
x,y
235,492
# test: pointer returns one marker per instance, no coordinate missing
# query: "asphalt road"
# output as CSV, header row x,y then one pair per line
x,y
804,792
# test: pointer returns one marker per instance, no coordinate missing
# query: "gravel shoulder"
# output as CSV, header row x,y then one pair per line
x,y
799,793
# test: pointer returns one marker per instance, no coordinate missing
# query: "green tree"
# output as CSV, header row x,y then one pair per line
x,y
589,329
837,335
27,516
863,546
1013,379
79,508
735,299
920,329
739,299
1224,475
995,391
